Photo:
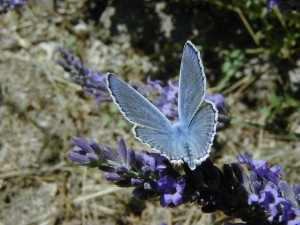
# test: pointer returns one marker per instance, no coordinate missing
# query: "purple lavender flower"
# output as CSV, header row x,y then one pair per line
x,y
283,5
149,173
92,82
261,168
8,5
151,162
277,198
172,190
261,197
219,102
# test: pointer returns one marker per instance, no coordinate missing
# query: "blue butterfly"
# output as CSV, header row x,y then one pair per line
x,y
190,138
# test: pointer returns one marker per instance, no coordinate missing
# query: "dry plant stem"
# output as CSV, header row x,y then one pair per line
x,y
242,84
222,221
241,15
108,190
36,171
247,25
284,134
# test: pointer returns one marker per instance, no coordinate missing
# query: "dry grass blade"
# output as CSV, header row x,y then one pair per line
x,y
106,191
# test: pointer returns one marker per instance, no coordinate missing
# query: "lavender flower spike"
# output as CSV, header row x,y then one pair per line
x,y
283,5
91,81
279,200
8,5
259,196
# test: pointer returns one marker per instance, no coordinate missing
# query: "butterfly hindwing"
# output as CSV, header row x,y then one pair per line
x,y
160,141
203,129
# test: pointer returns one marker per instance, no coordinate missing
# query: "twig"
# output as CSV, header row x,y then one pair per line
x,y
106,191
286,134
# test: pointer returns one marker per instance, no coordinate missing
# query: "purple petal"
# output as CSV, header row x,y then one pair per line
x,y
166,200
109,154
138,163
166,184
219,102
177,199
122,150
83,144
180,185
295,221
130,157
136,182
277,169
95,148
121,170
112,177
78,158
147,186
92,157
148,160
252,199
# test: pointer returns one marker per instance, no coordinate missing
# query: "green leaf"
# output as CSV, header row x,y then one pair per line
x,y
265,112
275,101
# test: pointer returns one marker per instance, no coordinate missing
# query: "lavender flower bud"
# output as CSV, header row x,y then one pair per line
x,y
136,182
85,153
109,154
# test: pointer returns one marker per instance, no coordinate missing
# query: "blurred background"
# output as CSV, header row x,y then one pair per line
x,y
251,56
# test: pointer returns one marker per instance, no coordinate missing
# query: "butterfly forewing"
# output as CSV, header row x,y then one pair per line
x,y
192,83
135,107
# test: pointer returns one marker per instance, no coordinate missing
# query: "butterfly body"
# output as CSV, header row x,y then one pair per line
x,y
181,136
180,132
190,138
